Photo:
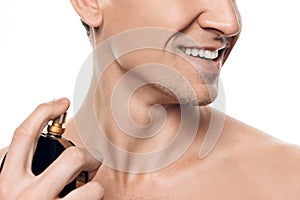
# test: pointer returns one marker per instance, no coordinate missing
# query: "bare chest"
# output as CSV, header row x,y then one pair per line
x,y
193,187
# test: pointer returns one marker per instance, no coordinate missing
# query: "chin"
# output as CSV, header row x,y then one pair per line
x,y
203,95
206,95
203,100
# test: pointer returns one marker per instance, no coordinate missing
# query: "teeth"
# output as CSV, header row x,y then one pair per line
x,y
201,53
195,52
188,51
207,54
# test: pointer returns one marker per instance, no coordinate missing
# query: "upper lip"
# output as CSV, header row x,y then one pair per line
x,y
204,47
225,43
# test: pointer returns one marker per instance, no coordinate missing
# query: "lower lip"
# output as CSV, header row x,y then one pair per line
x,y
207,66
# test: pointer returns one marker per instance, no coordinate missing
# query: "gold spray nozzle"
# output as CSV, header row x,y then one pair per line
x,y
56,128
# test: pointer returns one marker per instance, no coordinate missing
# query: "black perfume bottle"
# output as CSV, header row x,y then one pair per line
x,y
50,145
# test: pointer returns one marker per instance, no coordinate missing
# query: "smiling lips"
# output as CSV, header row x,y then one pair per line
x,y
202,53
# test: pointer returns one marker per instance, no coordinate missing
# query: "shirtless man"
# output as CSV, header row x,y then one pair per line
x,y
244,163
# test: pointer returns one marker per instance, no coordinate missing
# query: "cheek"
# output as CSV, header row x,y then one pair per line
x,y
170,61
126,15
174,74
138,58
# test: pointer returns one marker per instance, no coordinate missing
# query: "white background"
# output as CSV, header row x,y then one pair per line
x,y
42,47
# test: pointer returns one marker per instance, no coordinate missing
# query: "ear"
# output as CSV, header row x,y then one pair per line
x,y
89,11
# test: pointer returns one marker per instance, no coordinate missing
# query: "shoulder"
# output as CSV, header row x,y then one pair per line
x,y
277,166
271,163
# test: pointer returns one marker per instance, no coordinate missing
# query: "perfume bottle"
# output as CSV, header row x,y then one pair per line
x,y
50,145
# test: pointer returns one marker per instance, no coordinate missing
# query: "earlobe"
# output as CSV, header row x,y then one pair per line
x,y
89,11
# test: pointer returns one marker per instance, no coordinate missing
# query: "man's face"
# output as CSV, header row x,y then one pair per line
x,y
192,37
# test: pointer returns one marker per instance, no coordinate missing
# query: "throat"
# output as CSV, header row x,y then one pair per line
x,y
148,147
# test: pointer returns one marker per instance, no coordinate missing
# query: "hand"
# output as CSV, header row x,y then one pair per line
x,y
17,180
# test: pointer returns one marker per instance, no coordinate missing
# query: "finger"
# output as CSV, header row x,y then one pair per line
x,y
92,174
92,191
65,169
21,150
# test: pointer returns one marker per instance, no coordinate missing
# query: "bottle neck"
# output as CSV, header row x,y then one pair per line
x,y
51,135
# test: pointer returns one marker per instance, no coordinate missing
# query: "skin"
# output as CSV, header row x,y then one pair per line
x,y
244,164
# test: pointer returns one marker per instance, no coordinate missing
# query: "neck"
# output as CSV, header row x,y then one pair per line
x,y
129,130
132,119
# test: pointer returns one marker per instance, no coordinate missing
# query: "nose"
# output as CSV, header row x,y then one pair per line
x,y
221,16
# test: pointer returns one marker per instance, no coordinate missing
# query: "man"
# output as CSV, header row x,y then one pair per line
x,y
149,53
